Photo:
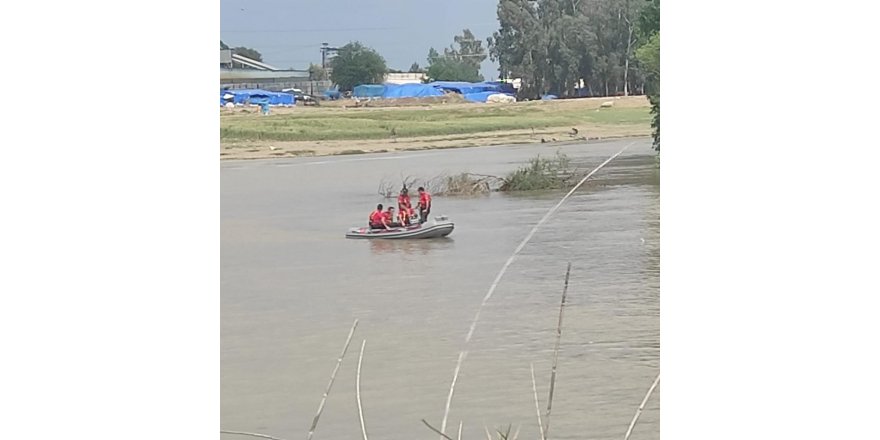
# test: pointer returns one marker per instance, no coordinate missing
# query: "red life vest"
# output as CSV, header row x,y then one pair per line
x,y
424,200
376,217
403,201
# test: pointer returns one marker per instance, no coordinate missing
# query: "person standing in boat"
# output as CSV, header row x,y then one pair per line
x,y
377,218
424,204
404,206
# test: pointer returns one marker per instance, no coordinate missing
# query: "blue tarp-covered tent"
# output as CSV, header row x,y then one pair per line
x,y
466,88
476,92
368,91
410,91
391,91
256,96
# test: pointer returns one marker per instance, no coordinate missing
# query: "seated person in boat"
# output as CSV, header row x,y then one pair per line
x,y
403,218
404,206
390,218
424,205
377,218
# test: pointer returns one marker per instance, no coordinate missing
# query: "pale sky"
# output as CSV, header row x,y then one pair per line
x,y
289,33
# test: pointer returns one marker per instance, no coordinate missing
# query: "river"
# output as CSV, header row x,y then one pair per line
x,y
291,285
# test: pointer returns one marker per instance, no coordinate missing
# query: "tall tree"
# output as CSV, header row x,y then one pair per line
x,y
317,73
356,64
470,50
460,61
649,19
546,43
415,68
448,69
556,45
648,56
629,13
517,45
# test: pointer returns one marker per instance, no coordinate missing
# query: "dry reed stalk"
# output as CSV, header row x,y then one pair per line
x,y
358,390
488,436
332,379
537,406
507,264
641,407
556,352
252,434
459,429
435,430
515,433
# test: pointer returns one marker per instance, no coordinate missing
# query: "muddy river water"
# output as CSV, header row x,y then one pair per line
x,y
291,285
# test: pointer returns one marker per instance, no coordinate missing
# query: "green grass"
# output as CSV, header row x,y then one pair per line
x,y
412,122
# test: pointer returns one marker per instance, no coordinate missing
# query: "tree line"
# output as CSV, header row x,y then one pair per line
x,y
561,47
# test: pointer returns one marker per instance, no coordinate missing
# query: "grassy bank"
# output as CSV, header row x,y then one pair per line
x,y
304,129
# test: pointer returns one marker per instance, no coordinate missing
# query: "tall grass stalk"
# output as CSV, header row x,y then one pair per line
x,y
332,379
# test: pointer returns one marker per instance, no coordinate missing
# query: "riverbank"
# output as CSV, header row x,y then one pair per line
x,y
337,130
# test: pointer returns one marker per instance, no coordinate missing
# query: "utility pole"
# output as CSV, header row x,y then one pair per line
x,y
326,49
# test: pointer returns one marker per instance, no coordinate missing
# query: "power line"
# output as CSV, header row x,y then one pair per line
x,y
344,29
293,31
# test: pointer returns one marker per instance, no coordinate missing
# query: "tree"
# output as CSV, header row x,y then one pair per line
x,y
248,53
356,64
543,43
415,68
470,50
648,56
554,45
317,73
649,19
447,69
460,63
223,45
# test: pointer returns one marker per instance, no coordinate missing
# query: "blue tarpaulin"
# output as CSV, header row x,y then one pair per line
x,y
476,92
368,91
391,91
465,88
410,91
332,94
257,96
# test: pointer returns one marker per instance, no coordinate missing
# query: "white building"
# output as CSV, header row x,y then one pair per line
x,y
405,78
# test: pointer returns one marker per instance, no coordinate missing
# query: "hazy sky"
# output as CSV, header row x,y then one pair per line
x,y
289,33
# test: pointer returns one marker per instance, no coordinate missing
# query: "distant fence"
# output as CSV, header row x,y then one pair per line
x,y
276,84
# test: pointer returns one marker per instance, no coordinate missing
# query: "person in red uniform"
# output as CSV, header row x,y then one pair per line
x,y
424,205
404,206
403,218
390,218
377,218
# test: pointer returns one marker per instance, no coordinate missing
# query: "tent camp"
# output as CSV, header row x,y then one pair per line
x,y
465,88
255,96
475,92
